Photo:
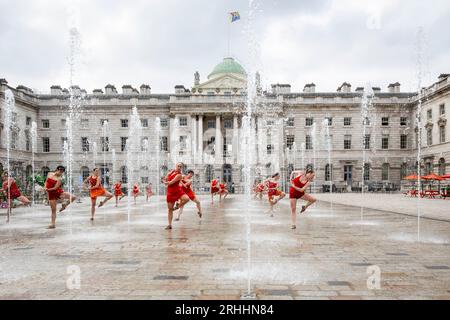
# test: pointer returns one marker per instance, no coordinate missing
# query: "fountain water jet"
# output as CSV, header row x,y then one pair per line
x,y
9,123
33,133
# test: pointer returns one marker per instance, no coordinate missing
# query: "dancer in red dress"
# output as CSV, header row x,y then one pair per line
x,y
136,192
55,192
96,190
174,192
118,192
300,181
12,192
260,188
214,189
148,191
223,191
274,194
186,184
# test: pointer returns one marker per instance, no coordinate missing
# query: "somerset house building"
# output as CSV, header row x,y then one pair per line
x,y
201,126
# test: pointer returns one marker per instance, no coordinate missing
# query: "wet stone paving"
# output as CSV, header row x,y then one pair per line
x,y
336,252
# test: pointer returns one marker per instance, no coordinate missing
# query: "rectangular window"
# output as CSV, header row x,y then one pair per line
x,y
290,122
164,123
123,143
211,124
347,121
309,122
164,144
46,124
144,144
429,114
13,142
366,172
144,180
144,123
290,140
183,121
367,141
103,121
46,145
366,121
105,144
308,143
270,148
124,123
27,141
403,121
63,142
183,142
228,124
442,109
63,123
429,137
28,121
403,141
442,134
329,121
385,142
84,144
347,142
385,121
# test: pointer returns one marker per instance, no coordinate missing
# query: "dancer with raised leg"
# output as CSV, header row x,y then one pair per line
x,y
186,184
148,191
12,191
223,191
136,192
174,192
274,194
118,192
96,190
53,186
300,181
214,189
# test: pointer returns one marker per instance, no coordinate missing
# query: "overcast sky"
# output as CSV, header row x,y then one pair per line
x,y
162,43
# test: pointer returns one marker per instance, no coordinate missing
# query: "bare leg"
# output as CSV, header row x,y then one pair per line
x,y
93,204
212,198
117,201
310,201
66,196
199,207
170,214
179,213
24,200
293,213
53,208
226,195
108,196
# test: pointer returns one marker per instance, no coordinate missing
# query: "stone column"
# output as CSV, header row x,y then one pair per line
x,y
235,139
200,139
194,148
219,140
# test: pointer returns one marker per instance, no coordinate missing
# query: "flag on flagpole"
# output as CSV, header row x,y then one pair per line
x,y
235,16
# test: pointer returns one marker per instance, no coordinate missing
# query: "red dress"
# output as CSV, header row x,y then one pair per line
x,y
188,191
293,193
222,188
260,187
273,191
118,190
214,188
174,191
53,194
96,192
14,191
135,190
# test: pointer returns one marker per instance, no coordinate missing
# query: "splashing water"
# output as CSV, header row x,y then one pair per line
x,y
9,126
33,133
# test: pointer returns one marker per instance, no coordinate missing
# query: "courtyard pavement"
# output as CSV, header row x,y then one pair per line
x,y
437,209
327,257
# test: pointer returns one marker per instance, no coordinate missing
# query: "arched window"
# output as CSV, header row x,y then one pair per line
x,y
209,174
403,170
328,172
124,174
442,166
163,171
29,172
45,171
84,173
428,167
290,168
228,173
385,172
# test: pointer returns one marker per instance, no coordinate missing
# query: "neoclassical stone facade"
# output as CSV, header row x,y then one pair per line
x,y
201,126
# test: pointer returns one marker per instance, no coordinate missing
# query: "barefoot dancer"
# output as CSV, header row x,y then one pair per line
x,y
273,191
96,190
118,192
174,192
260,187
214,189
148,191
12,192
135,191
186,184
223,191
55,192
300,181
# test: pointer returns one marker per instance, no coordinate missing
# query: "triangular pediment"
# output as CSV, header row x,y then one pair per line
x,y
226,81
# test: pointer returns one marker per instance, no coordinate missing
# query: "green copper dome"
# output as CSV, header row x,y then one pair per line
x,y
228,65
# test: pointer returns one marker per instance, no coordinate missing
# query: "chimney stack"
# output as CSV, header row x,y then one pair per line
x,y
394,88
281,88
110,89
309,88
56,90
145,89
180,89
345,88
97,92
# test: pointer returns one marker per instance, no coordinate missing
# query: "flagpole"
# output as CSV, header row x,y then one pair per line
x,y
229,38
